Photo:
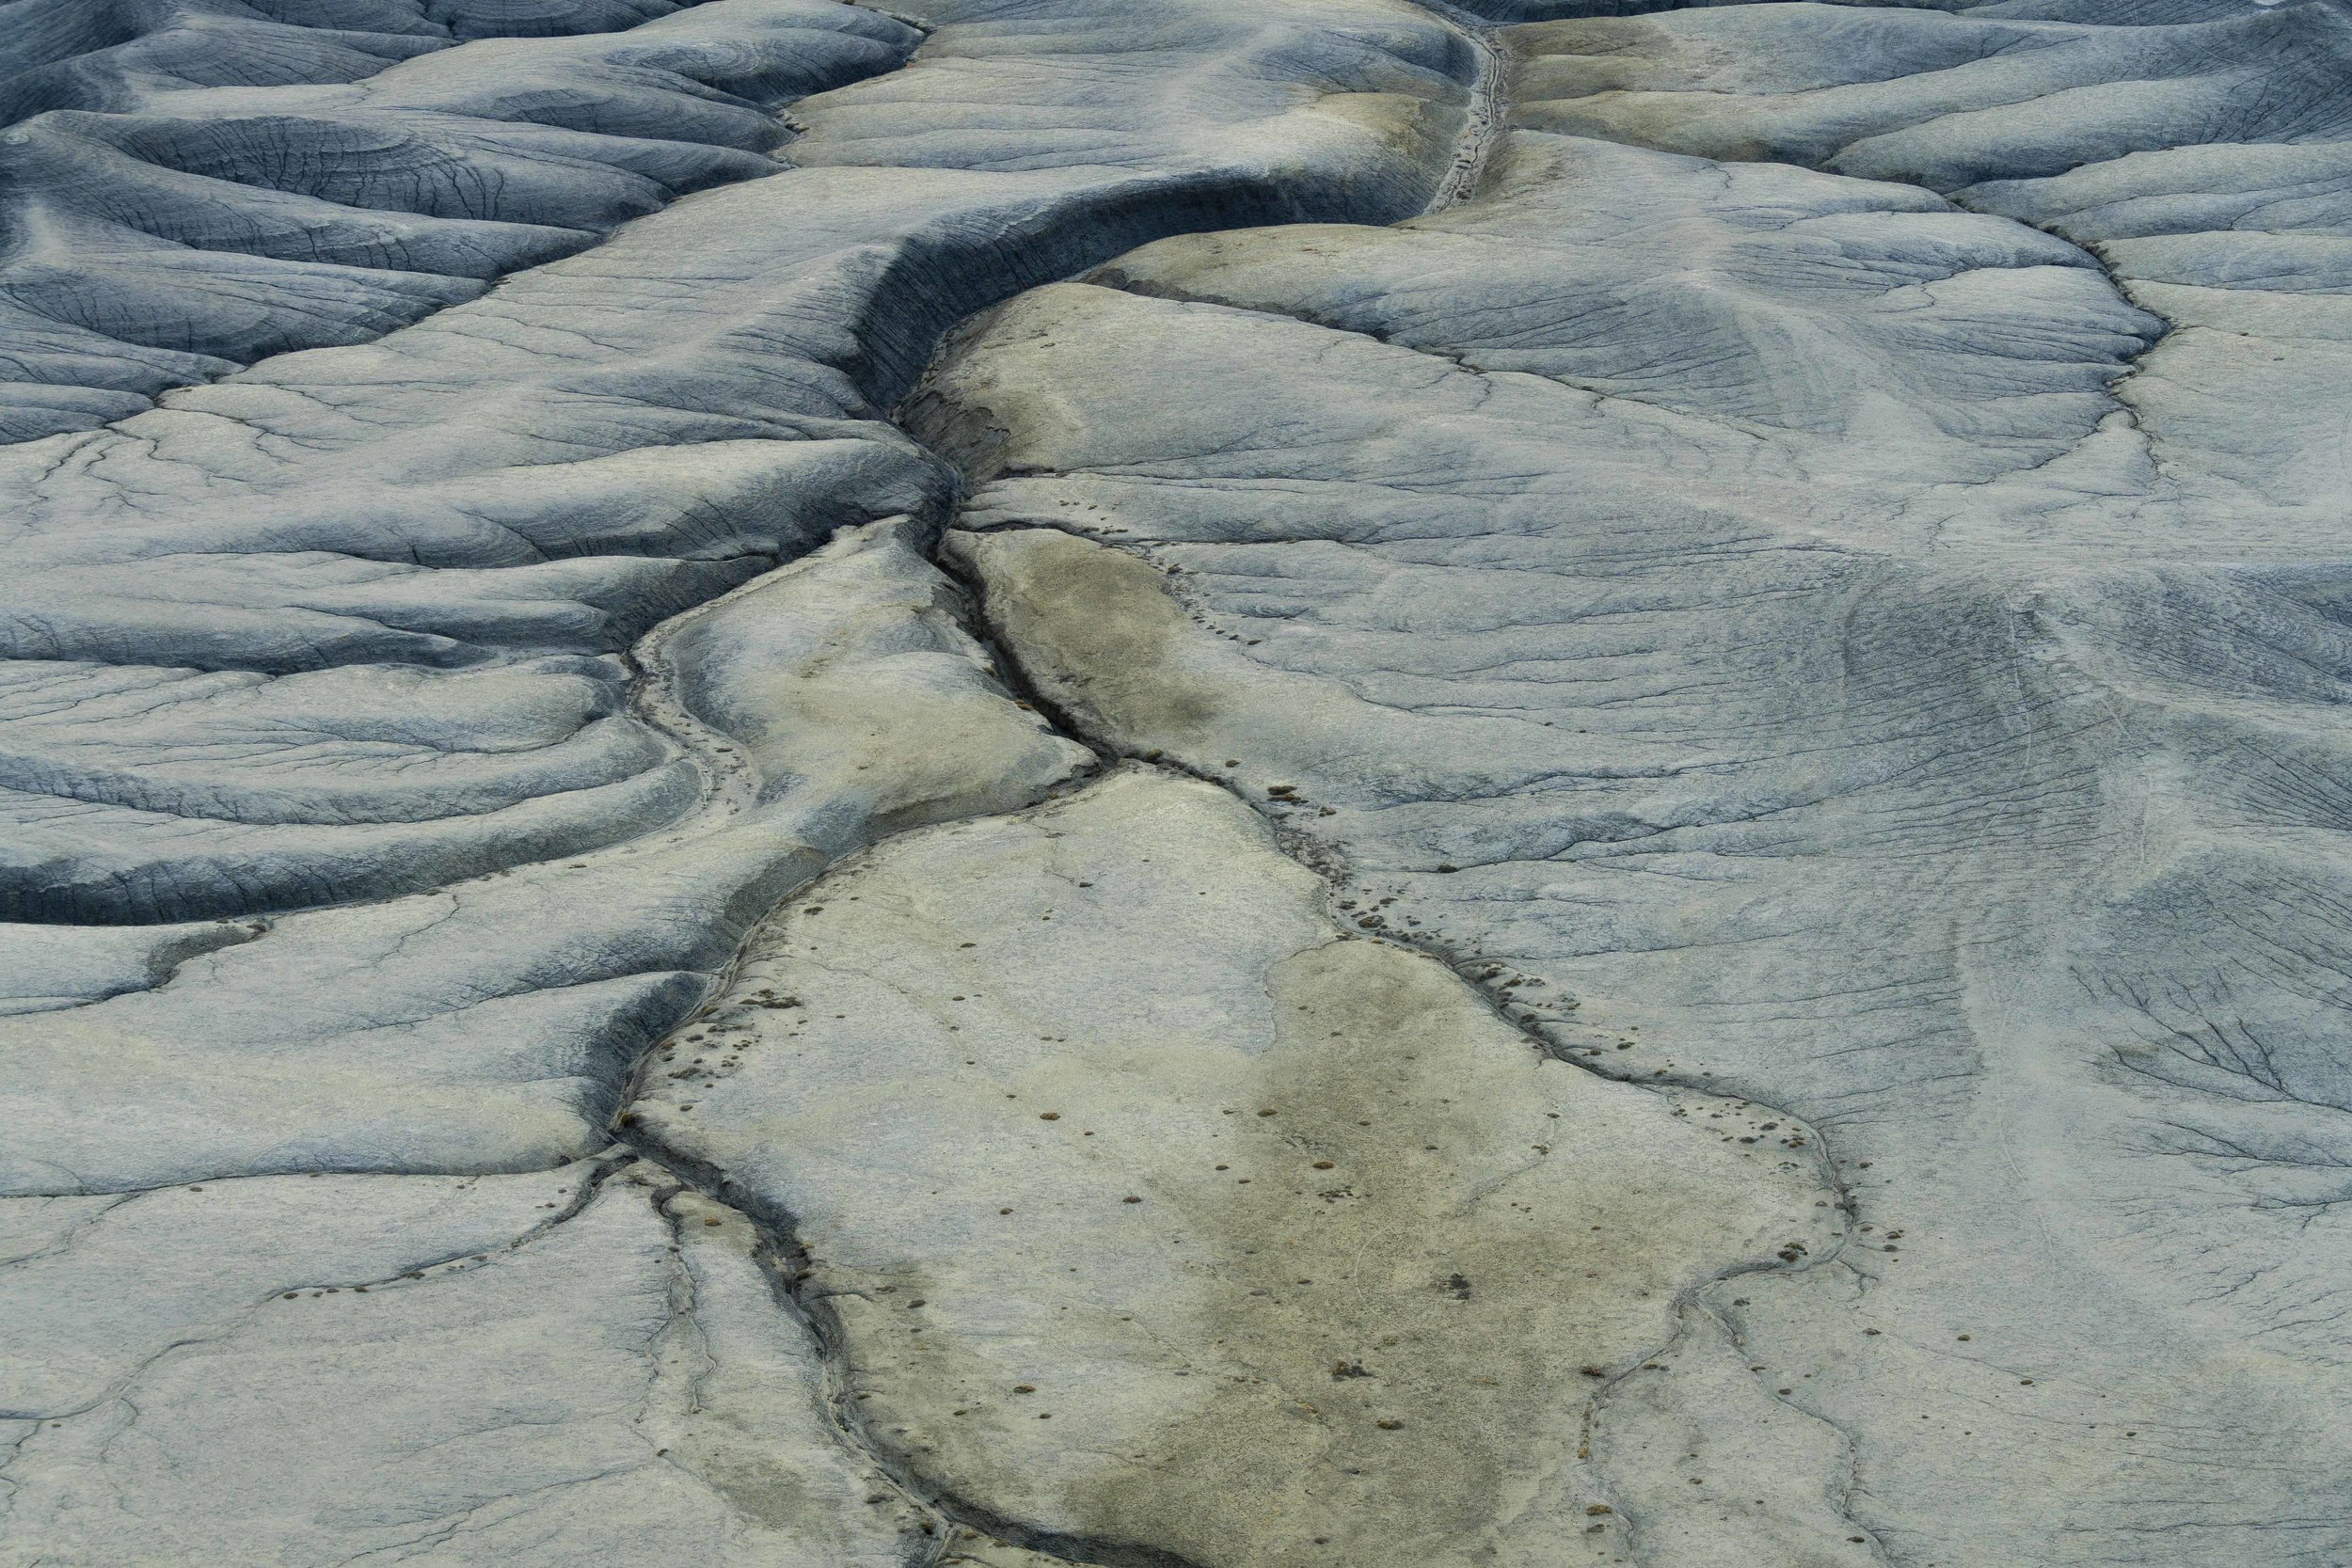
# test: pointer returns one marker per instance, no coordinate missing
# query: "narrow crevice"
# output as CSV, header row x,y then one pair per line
x,y
163,965
917,24
1330,864
1474,973
2166,329
2091,251
784,1258
1486,116
789,1267
929,280
608,1163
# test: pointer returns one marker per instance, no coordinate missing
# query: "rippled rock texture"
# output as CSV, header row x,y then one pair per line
x,y
1343,781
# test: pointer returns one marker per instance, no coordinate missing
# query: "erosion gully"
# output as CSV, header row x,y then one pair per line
x,y
730,785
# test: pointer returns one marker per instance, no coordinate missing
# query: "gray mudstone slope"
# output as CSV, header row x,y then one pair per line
x,y
1175,785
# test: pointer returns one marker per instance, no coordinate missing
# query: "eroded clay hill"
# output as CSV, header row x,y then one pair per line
x,y
1175,785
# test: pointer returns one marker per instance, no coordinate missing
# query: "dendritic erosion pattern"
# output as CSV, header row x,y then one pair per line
x,y
1360,783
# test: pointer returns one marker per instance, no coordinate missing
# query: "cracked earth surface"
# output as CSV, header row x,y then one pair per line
x,y
996,781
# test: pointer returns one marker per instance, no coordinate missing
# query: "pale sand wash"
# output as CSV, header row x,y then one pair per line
x,y
1281,1247
1706,648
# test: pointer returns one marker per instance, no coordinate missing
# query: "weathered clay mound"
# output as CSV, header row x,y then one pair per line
x,y
1338,782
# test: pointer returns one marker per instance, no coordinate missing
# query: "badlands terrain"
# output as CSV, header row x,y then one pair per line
x,y
1175,784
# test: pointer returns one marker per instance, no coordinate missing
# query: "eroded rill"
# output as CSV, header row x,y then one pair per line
x,y
1343,782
